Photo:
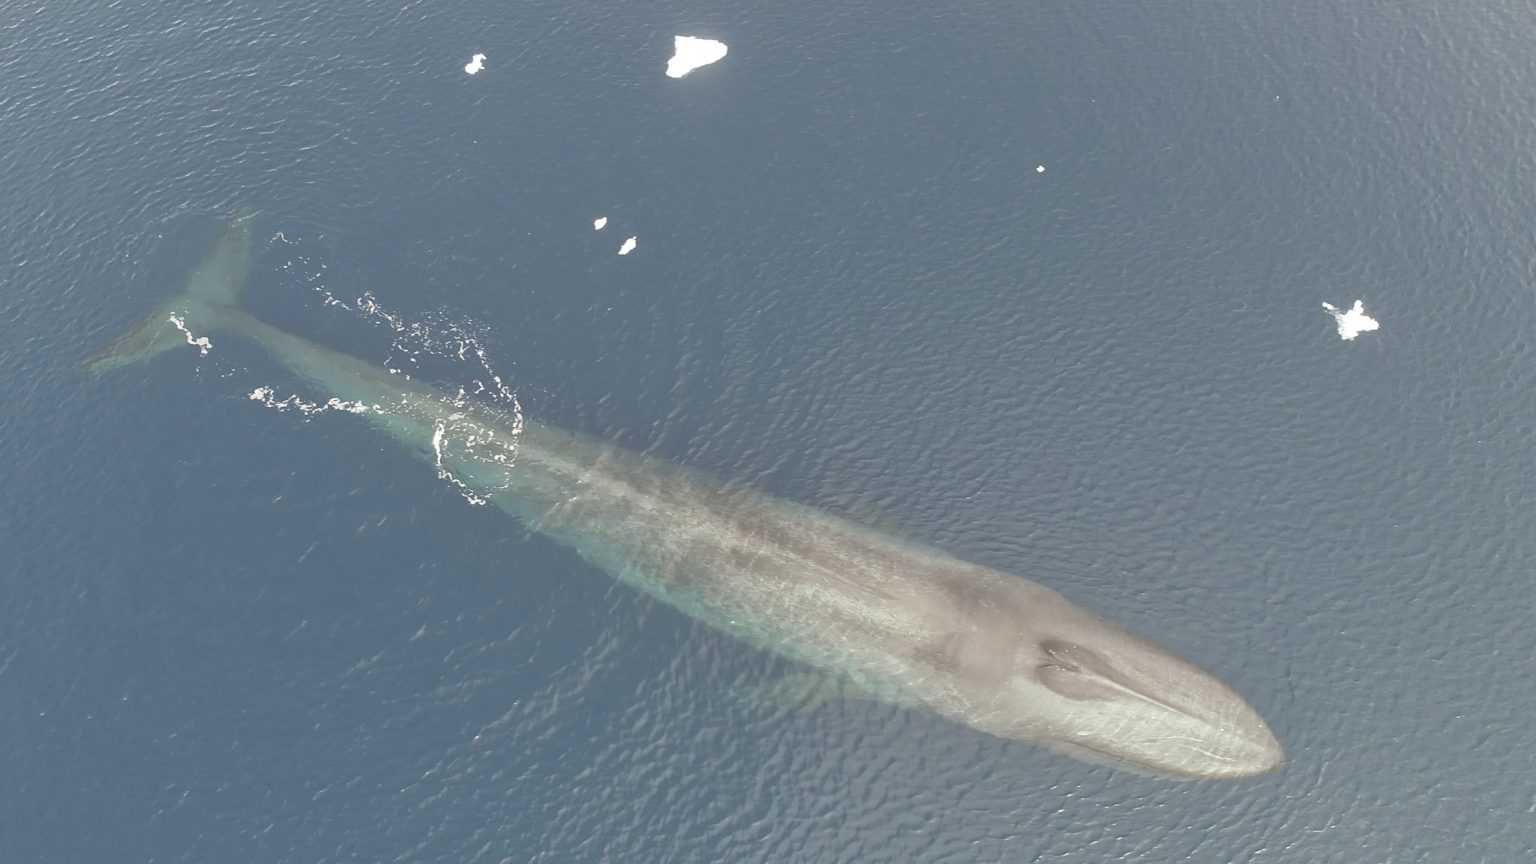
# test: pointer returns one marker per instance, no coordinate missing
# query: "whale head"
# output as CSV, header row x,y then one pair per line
x,y
1028,664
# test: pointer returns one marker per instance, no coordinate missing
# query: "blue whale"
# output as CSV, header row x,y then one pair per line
x,y
881,616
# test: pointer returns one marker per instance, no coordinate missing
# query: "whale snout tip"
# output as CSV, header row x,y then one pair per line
x,y
1250,758
1242,747
1257,751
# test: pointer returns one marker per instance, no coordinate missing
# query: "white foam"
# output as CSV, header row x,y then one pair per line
x,y
268,397
691,52
475,64
1354,322
200,342
458,436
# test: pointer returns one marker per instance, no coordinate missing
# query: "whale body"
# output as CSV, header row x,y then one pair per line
x,y
886,617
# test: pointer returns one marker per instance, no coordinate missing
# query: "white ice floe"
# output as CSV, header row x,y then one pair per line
x,y
475,64
1354,322
628,247
599,222
1039,169
691,52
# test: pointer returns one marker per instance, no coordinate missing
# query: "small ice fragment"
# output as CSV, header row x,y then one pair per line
x,y
628,247
475,64
1354,322
691,52
1039,169
599,222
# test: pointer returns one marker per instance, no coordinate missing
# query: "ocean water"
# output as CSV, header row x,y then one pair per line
x,y
233,633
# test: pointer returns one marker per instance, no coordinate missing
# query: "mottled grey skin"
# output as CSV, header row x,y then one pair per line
x,y
906,623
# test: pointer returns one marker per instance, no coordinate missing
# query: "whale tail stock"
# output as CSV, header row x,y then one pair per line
x,y
216,283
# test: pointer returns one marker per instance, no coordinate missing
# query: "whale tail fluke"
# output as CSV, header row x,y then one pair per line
x,y
216,283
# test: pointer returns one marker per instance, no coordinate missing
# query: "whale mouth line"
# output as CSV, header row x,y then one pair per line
x,y
1118,761
1157,769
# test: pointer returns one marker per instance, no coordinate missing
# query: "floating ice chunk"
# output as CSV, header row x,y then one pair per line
x,y
691,52
628,247
475,64
599,222
1354,322
1039,169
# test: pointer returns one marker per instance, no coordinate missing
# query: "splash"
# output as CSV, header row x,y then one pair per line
x,y
490,448
268,397
201,343
467,436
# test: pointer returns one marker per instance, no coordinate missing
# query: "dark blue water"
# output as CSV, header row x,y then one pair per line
x,y
234,634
